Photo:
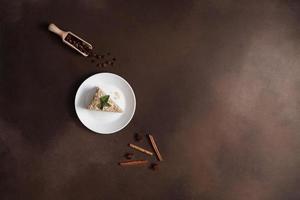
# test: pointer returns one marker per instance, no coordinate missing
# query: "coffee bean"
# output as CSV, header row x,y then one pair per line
x,y
138,137
129,156
154,166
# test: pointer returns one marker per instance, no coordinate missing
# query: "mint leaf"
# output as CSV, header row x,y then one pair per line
x,y
104,102
104,99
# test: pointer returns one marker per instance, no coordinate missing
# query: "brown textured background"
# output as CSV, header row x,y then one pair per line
x,y
217,83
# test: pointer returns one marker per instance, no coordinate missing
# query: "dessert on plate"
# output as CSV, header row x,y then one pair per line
x,y
103,102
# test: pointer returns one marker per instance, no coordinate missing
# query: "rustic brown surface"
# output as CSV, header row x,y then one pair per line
x,y
217,83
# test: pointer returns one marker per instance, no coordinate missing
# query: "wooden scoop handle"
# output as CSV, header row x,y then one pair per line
x,y
53,28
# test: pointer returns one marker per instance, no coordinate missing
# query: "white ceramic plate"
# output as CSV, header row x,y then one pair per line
x,y
119,90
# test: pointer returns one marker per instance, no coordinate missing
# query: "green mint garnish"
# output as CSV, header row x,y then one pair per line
x,y
104,102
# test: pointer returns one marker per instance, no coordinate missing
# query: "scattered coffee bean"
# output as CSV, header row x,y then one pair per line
x,y
138,137
101,60
129,156
154,166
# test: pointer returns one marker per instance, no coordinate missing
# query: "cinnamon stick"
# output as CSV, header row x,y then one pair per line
x,y
133,162
151,138
140,149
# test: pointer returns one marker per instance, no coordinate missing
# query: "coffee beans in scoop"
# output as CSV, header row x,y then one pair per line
x,y
78,44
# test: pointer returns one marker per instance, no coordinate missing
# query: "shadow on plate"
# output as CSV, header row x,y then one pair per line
x,y
86,97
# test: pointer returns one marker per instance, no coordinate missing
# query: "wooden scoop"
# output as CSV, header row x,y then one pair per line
x,y
72,40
